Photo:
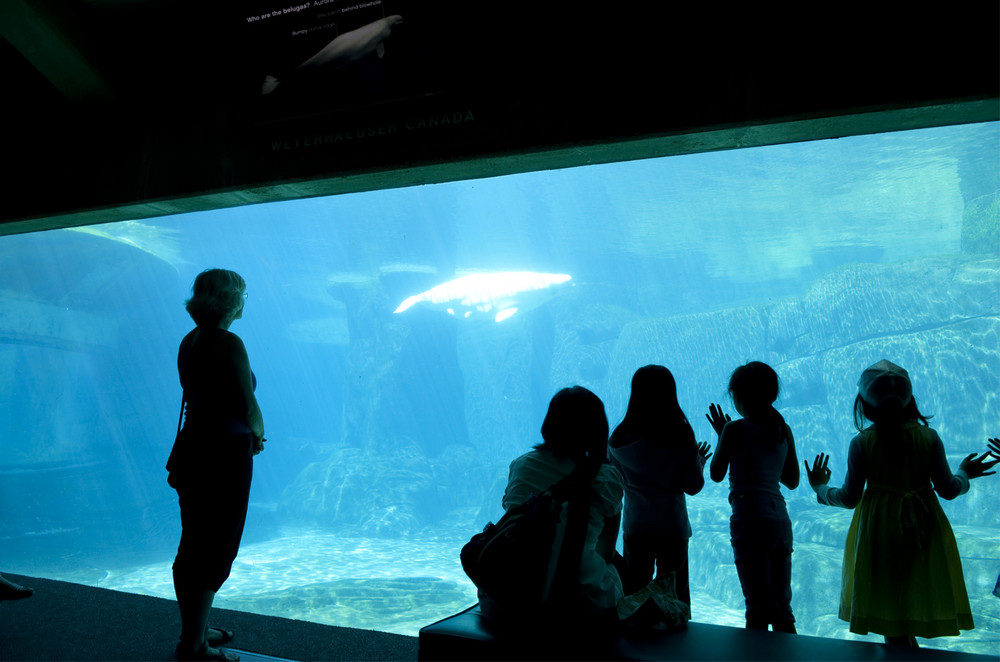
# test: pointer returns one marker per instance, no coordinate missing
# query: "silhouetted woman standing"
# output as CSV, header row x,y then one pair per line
x,y
211,464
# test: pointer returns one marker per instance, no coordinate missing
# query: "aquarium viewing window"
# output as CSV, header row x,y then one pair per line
x,y
406,343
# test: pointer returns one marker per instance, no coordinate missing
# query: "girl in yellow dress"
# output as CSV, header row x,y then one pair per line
x,y
902,575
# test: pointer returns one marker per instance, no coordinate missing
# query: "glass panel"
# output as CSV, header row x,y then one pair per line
x,y
390,432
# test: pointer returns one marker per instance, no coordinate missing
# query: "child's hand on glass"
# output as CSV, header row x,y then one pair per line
x,y
717,418
974,467
820,473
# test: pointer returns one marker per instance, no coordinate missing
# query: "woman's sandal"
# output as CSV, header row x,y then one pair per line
x,y
204,654
11,591
218,636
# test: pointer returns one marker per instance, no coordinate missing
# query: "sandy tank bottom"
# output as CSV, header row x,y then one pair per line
x,y
399,586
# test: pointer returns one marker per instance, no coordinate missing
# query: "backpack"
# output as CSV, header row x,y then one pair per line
x,y
525,559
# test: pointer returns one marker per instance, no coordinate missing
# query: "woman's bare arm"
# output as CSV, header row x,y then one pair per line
x,y
237,355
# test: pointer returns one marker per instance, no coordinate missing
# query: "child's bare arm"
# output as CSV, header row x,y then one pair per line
x,y
790,472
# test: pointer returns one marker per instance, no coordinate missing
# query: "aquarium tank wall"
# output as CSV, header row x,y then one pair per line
x,y
406,343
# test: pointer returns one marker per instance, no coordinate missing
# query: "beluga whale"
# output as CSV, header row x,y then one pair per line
x,y
498,295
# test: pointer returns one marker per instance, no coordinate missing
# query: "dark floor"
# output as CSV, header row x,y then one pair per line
x,y
64,621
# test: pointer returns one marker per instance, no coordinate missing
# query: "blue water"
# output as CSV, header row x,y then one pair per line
x,y
390,434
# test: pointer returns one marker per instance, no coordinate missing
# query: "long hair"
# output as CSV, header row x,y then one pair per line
x,y
888,419
756,387
653,411
576,426
216,296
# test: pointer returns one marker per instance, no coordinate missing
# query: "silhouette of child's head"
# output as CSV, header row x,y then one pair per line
x,y
753,387
653,387
885,395
652,404
885,384
575,425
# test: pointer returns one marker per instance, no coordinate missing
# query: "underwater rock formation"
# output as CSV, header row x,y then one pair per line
x,y
365,494
981,225
395,494
401,380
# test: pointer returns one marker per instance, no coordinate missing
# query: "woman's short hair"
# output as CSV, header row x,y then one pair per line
x,y
575,425
216,296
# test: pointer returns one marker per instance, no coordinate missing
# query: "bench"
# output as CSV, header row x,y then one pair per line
x,y
468,636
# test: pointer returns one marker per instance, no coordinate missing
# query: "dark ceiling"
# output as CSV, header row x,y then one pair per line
x,y
138,107
96,53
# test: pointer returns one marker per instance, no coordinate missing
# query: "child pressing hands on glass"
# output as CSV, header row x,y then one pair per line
x,y
902,576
